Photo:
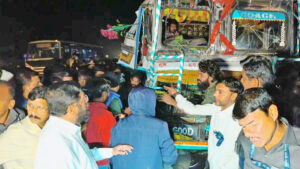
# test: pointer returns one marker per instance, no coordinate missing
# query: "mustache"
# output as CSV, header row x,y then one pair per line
x,y
254,137
34,117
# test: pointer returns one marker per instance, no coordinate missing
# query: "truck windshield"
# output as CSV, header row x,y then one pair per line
x,y
258,30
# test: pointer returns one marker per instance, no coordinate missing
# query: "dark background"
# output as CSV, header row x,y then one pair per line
x,y
74,20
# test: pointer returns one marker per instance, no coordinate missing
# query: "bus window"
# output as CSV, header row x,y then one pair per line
x,y
66,52
43,50
85,55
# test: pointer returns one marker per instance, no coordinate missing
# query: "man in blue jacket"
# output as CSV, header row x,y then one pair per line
x,y
150,137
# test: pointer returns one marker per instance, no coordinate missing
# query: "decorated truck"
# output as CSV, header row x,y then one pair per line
x,y
170,37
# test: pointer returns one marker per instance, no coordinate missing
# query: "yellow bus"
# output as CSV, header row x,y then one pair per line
x,y
40,53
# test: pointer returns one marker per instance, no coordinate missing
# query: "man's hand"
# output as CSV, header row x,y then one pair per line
x,y
121,116
168,100
127,111
172,91
122,150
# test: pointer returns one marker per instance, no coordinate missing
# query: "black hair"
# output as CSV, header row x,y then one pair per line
x,y
85,72
233,84
58,73
96,87
55,73
11,86
24,75
211,68
113,78
251,100
136,74
58,76
61,95
38,93
116,66
100,67
172,21
259,67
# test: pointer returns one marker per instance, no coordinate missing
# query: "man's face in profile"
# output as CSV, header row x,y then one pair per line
x,y
202,80
83,114
34,82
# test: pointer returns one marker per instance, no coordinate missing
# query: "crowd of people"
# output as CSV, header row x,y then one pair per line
x,y
88,117
70,116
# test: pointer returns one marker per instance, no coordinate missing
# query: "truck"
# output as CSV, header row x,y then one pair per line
x,y
226,31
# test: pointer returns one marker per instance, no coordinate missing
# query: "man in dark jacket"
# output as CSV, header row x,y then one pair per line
x,y
153,146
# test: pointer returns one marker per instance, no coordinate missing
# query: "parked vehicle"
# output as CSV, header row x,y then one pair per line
x,y
170,37
40,53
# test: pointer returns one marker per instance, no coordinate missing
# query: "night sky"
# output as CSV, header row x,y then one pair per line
x,y
75,20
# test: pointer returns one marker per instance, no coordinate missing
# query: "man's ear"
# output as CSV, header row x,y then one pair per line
x,y
234,96
11,104
273,112
24,89
210,79
84,82
104,95
258,82
72,109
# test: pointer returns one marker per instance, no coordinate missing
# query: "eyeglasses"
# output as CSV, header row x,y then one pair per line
x,y
220,137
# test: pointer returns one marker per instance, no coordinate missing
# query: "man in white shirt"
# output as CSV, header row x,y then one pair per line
x,y
224,130
61,144
19,142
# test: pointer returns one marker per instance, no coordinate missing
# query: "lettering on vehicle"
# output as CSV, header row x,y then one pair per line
x,y
183,130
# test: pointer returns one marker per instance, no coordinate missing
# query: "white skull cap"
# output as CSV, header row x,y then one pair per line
x,y
6,76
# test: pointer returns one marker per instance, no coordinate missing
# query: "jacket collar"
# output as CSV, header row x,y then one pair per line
x,y
97,105
64,125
